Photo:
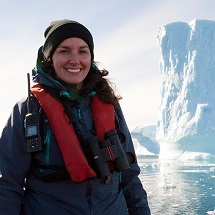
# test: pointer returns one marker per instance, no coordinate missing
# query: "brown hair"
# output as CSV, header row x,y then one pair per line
x,y
104,88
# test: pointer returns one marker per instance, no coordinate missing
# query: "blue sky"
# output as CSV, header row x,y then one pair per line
x,y
124,34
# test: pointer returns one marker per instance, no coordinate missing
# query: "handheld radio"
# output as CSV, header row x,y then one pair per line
x,y
32,126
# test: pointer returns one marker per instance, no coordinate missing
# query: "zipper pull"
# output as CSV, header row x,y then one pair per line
x,y
79,115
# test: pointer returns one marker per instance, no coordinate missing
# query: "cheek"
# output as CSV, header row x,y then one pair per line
x,y
54,62
57,63
88,64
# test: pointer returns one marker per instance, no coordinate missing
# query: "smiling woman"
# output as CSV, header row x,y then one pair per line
x,y
72,61
66,149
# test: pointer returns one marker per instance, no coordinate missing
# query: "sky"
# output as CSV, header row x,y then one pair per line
x,y
124,33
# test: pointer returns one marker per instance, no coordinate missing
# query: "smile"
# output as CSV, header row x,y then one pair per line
x,y
73,70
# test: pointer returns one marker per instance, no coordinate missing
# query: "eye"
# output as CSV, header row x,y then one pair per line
x,y
64,52
83,51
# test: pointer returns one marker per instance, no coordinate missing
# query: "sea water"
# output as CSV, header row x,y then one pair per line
x,y
176,187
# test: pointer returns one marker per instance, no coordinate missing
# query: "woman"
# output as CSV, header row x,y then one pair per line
x,y
67,149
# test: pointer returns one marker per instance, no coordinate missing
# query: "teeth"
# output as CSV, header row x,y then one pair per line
x,y
73,70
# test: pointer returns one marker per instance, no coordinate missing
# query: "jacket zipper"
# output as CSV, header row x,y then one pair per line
x,y
88,194
47,143
90,182
79,115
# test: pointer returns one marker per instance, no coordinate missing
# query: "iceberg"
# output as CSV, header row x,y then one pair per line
x,y
144,140
186,118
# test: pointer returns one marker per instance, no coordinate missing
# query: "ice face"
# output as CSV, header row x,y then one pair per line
x,y
186,120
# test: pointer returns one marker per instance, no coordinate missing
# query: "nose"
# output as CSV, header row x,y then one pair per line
x,y
74,58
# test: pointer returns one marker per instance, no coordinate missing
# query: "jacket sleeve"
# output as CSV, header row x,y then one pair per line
x,y
14,162
134,193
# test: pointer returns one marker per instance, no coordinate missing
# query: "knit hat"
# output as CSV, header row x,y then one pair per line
x,y
63,29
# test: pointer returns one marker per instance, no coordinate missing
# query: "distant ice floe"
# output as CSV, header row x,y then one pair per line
x,y
196,156
212,169
167,185
211,212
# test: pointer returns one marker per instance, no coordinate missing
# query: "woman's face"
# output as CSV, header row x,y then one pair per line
x,y
72,61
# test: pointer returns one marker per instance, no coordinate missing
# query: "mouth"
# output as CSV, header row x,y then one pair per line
x,y
73,70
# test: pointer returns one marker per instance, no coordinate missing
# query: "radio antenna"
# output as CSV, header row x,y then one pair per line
x,y
29,94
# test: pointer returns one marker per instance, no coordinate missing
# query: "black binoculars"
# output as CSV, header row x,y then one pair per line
x,y
107,151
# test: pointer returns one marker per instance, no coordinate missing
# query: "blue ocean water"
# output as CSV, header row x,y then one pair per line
x,y
177,187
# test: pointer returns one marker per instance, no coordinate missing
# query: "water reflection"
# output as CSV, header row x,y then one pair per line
x,y
178,187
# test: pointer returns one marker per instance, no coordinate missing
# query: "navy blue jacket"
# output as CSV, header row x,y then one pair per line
x,y
21,193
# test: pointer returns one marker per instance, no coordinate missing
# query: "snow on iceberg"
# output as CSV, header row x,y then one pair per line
x,y
139,149
144,140
186,120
